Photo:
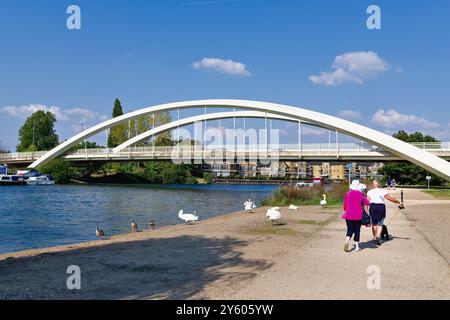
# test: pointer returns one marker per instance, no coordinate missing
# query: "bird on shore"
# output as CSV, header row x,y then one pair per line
x,y
324,202
188,218
134,226
152,224
274,215
99,233
248,206
293,207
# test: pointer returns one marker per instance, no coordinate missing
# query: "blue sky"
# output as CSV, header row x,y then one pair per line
x,y
144,53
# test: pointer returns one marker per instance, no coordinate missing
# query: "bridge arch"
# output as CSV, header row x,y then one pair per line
x,y
402,149
210,116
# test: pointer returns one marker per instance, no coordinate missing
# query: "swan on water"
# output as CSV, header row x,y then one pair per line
x,y
274,215
134,226
99,233
323,202
292,207
188,218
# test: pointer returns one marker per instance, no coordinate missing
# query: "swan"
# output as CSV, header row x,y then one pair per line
x,y
99,233
188,218
249,206
292,207
324,202
274,215
134,226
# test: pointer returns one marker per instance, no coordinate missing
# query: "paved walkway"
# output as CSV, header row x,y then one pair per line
x,y
410,265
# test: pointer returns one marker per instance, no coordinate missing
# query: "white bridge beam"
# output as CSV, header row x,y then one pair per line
x,y
402,149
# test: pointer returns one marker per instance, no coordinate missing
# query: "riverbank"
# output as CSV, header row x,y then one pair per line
x,y
241,256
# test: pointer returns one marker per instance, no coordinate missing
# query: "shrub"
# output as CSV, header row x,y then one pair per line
x,y
288,195
61,170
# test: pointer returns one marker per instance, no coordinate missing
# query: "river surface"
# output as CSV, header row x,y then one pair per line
x,y
44,216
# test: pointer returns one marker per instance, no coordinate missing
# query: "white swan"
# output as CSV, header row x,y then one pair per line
x,y
292,207
187,217
274,214
324,202
249,206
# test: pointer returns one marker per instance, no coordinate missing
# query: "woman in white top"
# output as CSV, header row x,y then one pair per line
x,y
377,211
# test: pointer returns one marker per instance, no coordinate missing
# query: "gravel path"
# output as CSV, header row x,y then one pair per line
x,y
410,266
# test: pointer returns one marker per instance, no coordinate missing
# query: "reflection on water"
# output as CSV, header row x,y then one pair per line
x,y
35,217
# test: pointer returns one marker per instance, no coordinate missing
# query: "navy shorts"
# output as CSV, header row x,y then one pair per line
x,y
377,213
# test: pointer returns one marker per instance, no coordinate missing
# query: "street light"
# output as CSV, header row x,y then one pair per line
x,y
429,180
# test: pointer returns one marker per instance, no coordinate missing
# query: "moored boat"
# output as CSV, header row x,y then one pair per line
x,y
43,180
9,180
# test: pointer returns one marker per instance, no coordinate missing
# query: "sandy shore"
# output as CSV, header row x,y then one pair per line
x,y
241,256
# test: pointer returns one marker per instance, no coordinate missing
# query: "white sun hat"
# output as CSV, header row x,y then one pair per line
x,y
355,185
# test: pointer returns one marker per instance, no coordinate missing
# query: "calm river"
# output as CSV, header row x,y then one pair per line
x,y
36,217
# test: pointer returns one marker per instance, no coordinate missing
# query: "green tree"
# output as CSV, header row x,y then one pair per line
x,y
38,133
146,123
414,137
408,173
87,145
61,170
119,133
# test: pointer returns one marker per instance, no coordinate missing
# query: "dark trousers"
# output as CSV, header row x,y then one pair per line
x,y
354,228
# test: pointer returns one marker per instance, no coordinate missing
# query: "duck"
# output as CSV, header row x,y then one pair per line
x,y
293,207
187,217
274,215
99,233
324,202
134,226
152,224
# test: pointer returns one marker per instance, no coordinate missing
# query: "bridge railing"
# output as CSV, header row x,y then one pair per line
x,y
330,148
21,156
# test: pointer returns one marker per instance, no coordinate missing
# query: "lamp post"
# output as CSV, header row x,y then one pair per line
x,y
429,180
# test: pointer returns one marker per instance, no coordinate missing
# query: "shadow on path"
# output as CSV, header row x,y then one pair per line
x,y
173,268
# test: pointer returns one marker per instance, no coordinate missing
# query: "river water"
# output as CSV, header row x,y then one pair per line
x,y
43,216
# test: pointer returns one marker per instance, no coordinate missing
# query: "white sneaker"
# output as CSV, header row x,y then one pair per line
x,y
357,249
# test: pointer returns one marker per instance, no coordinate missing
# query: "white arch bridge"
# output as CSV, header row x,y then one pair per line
x,y
378,146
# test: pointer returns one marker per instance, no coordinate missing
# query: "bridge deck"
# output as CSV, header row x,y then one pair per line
x,y
319,152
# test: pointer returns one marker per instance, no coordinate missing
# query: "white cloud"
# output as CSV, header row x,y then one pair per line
x,y
393,119
229,67
75,116
350,115
352,67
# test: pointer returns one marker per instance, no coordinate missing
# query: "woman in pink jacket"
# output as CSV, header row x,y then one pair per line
x,y
354,203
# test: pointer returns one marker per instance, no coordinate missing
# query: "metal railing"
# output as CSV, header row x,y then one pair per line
x,y
311,148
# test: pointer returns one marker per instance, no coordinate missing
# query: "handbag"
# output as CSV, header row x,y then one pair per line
x,y
366,221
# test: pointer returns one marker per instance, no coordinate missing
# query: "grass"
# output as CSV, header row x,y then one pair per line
x,y
286,196
311,222
439,193
268,229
